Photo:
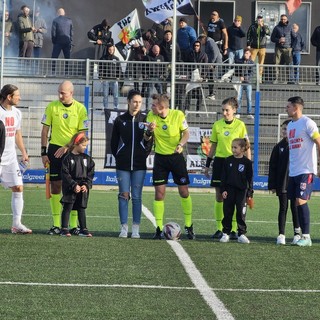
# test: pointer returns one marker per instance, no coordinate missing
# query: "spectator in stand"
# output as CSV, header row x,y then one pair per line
x,y
149,39
257,36
235,35
109,73
245,78
196,56
214,56
278,184
297,45
155,71
218,32
161,28
26,33
186,36
166,47
8,28
166,51
41,29
62,37
101,35
315,41
281,36
135,70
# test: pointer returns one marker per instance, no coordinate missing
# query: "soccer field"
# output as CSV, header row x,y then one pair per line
x,y
104,277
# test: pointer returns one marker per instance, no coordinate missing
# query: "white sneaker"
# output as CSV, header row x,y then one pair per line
x,y
281,239
124,231
135,231
225,238
21,229
243,239
237,116
296,238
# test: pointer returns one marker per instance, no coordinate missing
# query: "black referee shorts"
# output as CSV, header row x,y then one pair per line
x,y
55,163
174,163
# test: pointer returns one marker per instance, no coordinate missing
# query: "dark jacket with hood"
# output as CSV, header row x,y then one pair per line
x,y
279,167
279,31
257,37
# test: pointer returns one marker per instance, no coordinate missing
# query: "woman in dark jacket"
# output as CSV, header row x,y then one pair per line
x,y
130,150
278,183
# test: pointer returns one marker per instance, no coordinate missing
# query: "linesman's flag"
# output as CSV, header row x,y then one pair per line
x,y
293,5
159,10
125,33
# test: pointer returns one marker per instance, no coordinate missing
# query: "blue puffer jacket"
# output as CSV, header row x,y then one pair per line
x,y
186,37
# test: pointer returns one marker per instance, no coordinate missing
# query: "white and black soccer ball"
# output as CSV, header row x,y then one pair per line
x,y
172,231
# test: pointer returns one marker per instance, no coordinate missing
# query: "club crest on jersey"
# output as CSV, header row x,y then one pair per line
x,y
65,116
164,127
241,168
226,133
303,186
141,125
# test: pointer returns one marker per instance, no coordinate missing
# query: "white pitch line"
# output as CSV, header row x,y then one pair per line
x,y
41,284
138,286
215,304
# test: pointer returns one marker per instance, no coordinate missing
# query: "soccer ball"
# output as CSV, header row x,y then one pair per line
x,y
172,231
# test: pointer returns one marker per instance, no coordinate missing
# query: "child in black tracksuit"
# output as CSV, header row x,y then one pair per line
x,y
77,175
236,188
278,183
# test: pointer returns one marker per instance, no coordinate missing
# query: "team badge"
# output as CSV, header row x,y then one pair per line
x,y
44,118
303,186
183,180
141,125
164,127
65,116
226,133
241,168
86,123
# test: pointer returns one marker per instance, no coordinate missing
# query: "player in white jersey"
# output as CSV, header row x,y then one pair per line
x,y
303,137
10,174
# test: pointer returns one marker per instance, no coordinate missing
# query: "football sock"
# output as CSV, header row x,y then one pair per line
x,y
82,218
186,204
56,209
297,231
17,207
73,222
158,210
234,222
304,218
218,213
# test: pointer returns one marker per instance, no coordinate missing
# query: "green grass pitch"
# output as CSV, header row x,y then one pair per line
x,y
104,277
